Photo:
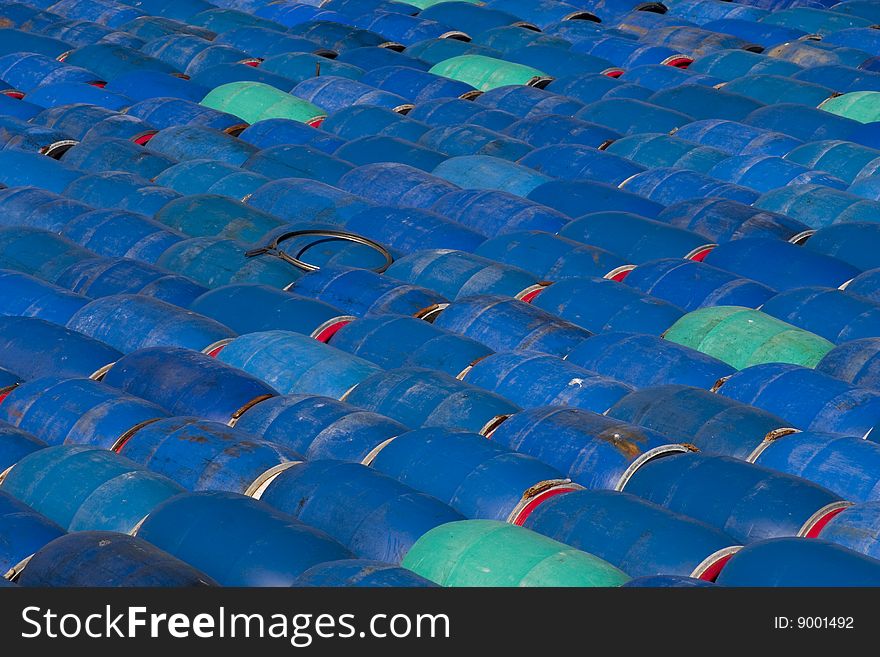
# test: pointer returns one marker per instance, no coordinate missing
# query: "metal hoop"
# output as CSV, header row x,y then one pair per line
x,y
272,248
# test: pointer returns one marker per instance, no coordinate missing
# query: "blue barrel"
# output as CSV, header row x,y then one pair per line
x,y
780,265
806,398
559,62
371,514
601,304
130,322
503,324
381,148
635,238
474,140
545,129
66,93
22,295
211,389
456,111
580,163
854,242
191,141
200,215
844,78
33,347
550,257
812,52
762,34
419,397
658,77
263,42
74,120
656,150
237,540
472,18
145,84
123,190
108,154
459,274
715,424
477,477
38,252
524,101
645,360
746,501
531,380
361,573
630,116
364,120
487,172
855,528
593,450
272,132
24,530
865,285
416,85
637,536
295,161
741,64
702,102
17,108
791,562
361,292
391,341
296,363
301,200
340,37
421,55
203,455
764,173
770,89
834,314
801,122
167,112
666,582
546,13
248,307
669,185
738,138
856,362
723,220
108,559
320,427
333,93
76,411
590,87
122,126
20,41
842,464
97,277
494,212
26,71
689,285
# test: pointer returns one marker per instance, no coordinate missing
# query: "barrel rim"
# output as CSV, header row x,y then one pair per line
x,y
710,567
769,439
619,273
126,436
431,313
373,453
15,572
467,370
656,452
259,485
57,149
802,237
215,348
528,294
492,425
101,372
326,330
536,495
236,415
816,522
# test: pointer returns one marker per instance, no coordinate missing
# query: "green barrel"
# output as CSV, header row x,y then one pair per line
x,y
485,73
255,101
742,337
862,106
493,553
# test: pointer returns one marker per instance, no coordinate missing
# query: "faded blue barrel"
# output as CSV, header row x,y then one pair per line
x,y
702,102
203,455
22,295
806,398
296,363
593,450
770,89
666,582
419,397
209,176
559,62
21,41
201,215
791,562
801,122
524,101
66,93
38,252
74,120
217,261
577,198
746,501
129,322
371,514
167,112
109,154
295,161
333,93
320,427
57,480
843,464
361,292
98,277
272,132
856,243
391,340
459,274
187,142
364,120
865,285
722,220
635,238
24,530
108,559
734,64
246,308
395,184
425,53
493,212
637,536
780,265
301,200
856,528
503,324
532,380
33,348
263,42
601,304
857,362
76,411
361,573
118,233
764,173
657,150
477,477
25,71
17,108
237,540
658,77
574,162
670,185
15,443
762,34
550,257
411,229
187,382
125,191
834,314
738,138
715,424
122,126
474,140
144,84
545,129
472,18
456,111
630,116
628,53
645,360
689,285
591,87
487,172
416,85
340,37
546,13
